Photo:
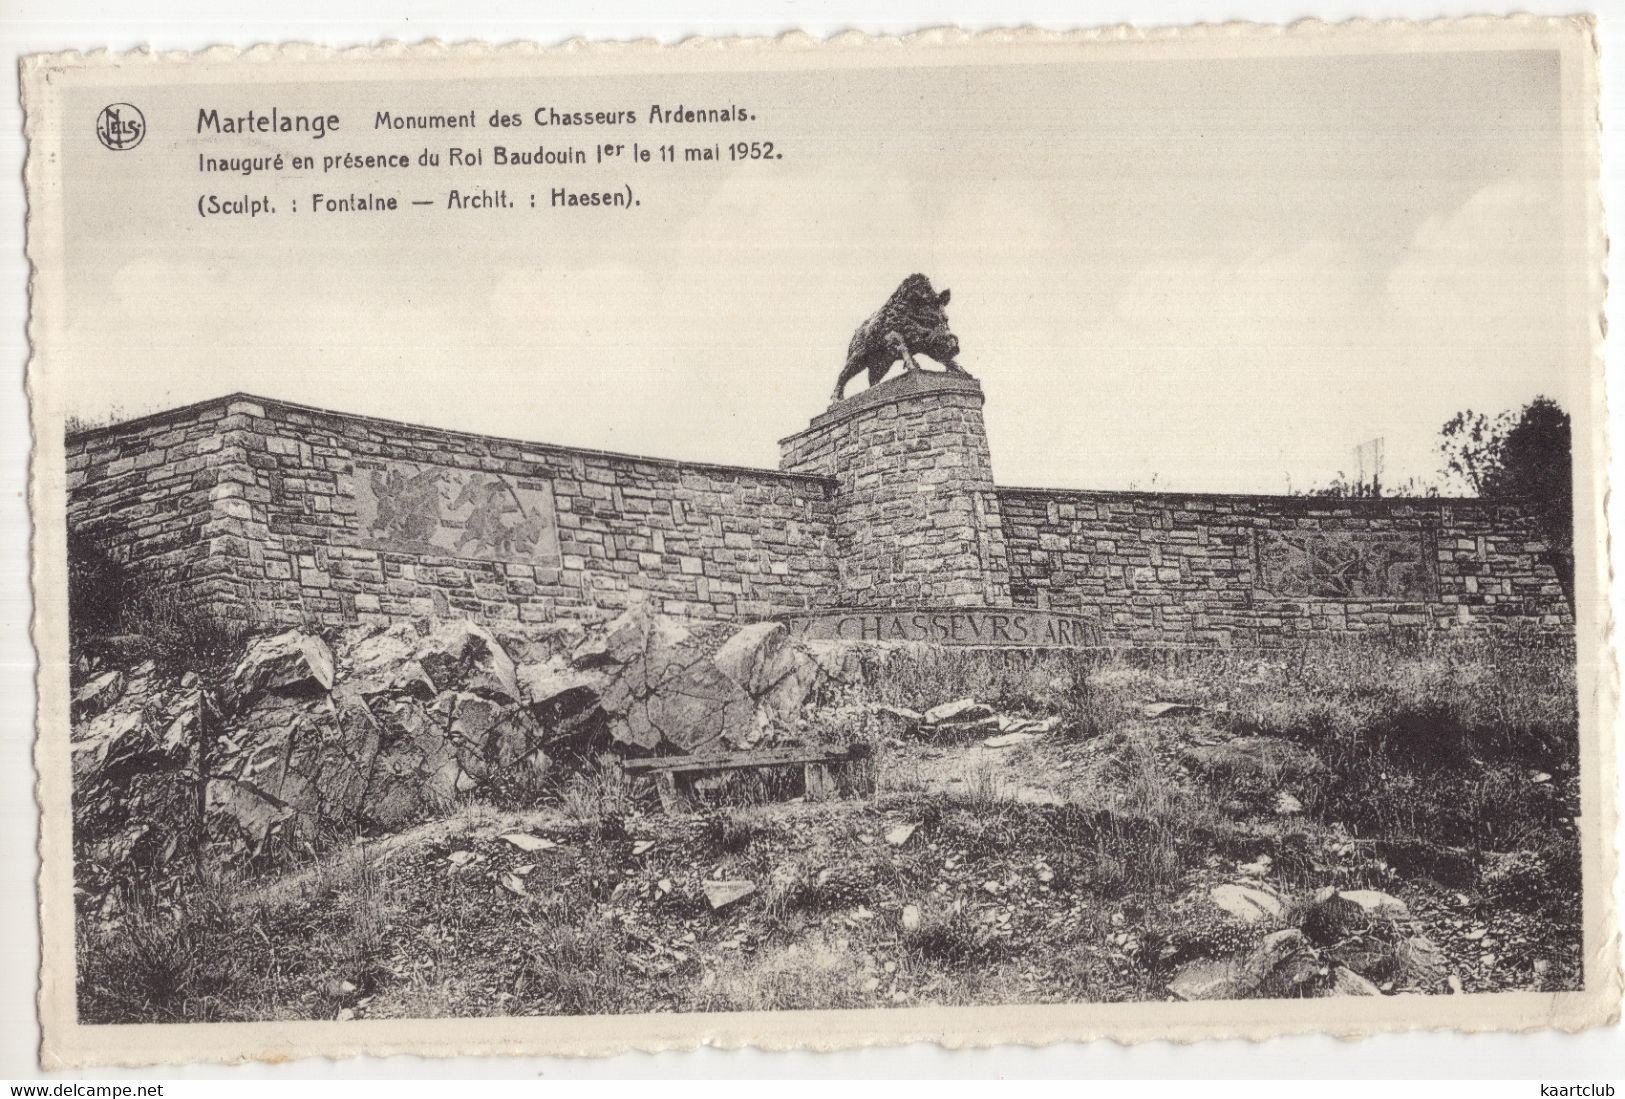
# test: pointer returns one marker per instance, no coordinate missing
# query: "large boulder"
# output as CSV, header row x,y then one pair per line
x,y
668,686
285,760
416,720
462,655
294,662
554,688
618,644
668,692
242,817
1205,980
564,705
1346,982
487,738
1247,903
415,771
135,789
774,670
701,712
537,643
1372,935
383,661
1283,964
112,737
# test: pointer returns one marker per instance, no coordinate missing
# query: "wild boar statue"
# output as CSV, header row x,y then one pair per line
x,y
913,320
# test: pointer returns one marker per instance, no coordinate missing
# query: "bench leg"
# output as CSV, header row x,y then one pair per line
x,y
820,782
674,793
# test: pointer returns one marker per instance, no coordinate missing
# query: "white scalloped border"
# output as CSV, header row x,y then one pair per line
x,y
65,1044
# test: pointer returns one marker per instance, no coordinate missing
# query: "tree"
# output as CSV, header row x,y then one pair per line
x,y
1535,456
1537,465
1527,456
1471,443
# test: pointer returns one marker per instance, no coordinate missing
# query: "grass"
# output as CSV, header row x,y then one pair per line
x,y
597,799
163,965
574,967
920,677
818,973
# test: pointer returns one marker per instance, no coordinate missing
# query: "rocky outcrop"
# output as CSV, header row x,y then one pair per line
x,y
378,728
135,808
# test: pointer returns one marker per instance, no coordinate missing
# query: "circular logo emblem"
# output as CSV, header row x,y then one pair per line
x,y
121,126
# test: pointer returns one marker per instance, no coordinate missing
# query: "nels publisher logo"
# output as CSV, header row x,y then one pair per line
x,y
121,126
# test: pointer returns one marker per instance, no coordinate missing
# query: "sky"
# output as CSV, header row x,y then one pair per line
x,y
1208,275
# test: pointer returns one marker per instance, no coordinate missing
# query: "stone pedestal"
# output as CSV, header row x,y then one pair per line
x,y
916,516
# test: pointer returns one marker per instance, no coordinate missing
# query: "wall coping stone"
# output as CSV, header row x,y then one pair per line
x,y
186,412
1259,497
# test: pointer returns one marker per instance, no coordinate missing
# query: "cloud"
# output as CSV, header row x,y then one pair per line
x,y
1265,296
1488,272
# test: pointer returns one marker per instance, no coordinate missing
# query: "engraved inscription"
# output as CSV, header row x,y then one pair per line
x,y
1004,627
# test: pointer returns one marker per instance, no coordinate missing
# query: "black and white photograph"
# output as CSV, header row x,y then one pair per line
x,y
821,542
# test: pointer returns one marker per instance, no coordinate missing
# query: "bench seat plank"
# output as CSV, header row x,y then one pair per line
x,y
736,760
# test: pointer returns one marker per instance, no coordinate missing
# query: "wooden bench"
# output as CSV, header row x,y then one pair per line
x,y
829,772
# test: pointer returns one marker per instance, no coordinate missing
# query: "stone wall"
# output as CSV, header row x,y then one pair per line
x,y
1251,569
328,518
264,511
916,515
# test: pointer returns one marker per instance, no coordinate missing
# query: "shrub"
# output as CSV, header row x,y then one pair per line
x,y
735,831
1542,879
96,592
360,896
105,601
1137,857
795,886
1085,711
1253,770
951,936
576,969
159,963
922,676
597,801
828,889
523,783
1194,932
